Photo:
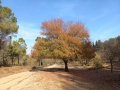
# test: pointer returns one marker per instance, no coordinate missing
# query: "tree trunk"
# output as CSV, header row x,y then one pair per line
x,y
111,63
3,59
55,61
18,58
66,66
39,62
86,61
7,62
12,60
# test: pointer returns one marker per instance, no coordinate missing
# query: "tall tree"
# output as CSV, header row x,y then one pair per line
x,y
110,51
8,23
98,45
118,47
40,51
17,49
88,52
63,40
20,47
12,53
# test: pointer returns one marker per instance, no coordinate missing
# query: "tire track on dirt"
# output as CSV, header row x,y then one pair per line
x,y
19,82
34,80
7,83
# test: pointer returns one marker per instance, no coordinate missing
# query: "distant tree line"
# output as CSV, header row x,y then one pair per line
x,y
110,50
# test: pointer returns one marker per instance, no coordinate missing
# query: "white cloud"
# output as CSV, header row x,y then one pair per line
x,y
66,9
104,33
97,17
29,32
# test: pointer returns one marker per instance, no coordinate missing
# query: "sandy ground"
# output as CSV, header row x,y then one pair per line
x,y
54,78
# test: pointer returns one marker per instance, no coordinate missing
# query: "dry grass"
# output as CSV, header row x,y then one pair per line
x,y
5,71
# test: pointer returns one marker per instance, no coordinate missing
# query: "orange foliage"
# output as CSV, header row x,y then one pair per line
x,y
62,39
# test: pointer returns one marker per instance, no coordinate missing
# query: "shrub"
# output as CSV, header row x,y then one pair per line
x,y
34,67
97,61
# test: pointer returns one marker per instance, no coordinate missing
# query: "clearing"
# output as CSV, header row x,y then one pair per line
x,y
54,78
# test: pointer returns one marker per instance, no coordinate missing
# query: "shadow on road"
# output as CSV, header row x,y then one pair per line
x,y
85,79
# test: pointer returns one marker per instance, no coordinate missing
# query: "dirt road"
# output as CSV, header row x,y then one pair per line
x,y
50,78
16,81
30,80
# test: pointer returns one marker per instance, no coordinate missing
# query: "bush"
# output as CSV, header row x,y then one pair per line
x,y
97,61
98,64
32,62
34,67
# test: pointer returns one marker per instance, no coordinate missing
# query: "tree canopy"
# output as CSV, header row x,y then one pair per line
x,y
8,23
110,50
62,40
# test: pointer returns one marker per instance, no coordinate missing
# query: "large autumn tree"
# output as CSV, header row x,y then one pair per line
x,y
62,40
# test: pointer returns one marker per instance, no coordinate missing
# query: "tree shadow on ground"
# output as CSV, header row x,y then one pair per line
x,y
84,79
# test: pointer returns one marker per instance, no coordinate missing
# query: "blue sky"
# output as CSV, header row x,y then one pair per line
x,y
101,17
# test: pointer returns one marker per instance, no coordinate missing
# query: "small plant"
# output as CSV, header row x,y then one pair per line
x,y
97,61
98,64
34,67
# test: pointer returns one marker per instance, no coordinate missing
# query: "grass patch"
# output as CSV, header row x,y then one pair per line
x,y
5,71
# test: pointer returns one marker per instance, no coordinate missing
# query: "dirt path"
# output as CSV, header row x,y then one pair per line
x,y
30,80
16,81
54,79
